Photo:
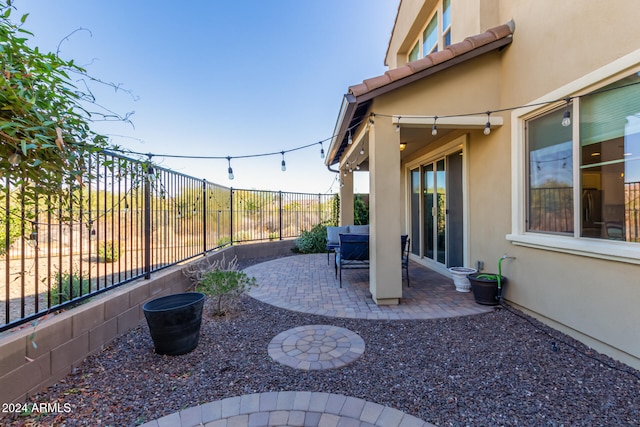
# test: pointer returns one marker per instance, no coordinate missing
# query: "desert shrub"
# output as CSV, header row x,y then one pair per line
x,y
67,286
109,251
221,281
312,241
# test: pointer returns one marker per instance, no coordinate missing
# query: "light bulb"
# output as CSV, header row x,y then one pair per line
x,y
322,153
362,151
14,158
566,118
284,166
350,140
487,128
231,173
434,130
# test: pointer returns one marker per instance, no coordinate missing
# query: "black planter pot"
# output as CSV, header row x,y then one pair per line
x,y
174,322
485,290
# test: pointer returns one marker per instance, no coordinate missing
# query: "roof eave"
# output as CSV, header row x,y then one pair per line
x,y
350,102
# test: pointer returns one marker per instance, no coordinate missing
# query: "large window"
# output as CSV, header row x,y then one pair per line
x,y
610,161
607,138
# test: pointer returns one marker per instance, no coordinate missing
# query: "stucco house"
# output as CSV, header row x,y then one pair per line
x,y
508,127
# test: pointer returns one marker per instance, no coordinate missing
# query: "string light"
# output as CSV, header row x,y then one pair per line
x,y
283,164
566,118
14,158
362,149
487,127
398,124
566,121
230,170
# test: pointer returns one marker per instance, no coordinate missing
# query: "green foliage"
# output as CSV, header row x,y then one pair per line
x,y
225,284
15,230
68,286
312,241
224,241
45,137
335,212
274,236
109,251
360,211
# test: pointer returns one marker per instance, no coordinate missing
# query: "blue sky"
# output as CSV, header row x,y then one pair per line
x,y
223,78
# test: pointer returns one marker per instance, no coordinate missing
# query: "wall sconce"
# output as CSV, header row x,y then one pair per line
x,y
403,145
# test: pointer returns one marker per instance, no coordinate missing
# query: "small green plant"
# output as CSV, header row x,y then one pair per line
x,y
273,236
109,251
224,241
67,286
221,281
312,241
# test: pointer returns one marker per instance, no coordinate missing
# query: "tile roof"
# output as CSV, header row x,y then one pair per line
x,y
433,59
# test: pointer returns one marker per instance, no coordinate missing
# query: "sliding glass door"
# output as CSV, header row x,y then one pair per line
x,y
440,236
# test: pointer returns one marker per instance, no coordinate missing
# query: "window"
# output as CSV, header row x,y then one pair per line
x,y
550,170
446,22
436,35
610,162
430,36
608,143
415,52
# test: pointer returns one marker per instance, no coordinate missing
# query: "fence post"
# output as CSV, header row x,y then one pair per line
x,y
231,216
280,213
147,221
204,216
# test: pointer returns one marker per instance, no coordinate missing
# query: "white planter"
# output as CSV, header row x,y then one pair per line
x,y
460,278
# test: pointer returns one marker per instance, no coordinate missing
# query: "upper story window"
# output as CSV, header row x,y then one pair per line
x,y
446,22
606,140
436,35
430,37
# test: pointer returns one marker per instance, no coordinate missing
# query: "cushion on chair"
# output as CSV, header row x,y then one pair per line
x,y
359,229
333,234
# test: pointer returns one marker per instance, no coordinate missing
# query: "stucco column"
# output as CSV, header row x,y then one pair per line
x,y
346,198
385,275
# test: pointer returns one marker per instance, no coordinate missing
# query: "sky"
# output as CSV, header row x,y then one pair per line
x,y
222,78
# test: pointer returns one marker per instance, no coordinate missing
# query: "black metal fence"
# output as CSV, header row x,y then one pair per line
x,y
126,220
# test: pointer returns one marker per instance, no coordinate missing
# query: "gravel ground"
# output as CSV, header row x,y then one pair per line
x,y
499,368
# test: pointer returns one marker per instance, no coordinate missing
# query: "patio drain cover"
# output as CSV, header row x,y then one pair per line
x,y
315,347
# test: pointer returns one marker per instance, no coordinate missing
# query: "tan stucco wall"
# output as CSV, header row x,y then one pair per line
x,y
554,44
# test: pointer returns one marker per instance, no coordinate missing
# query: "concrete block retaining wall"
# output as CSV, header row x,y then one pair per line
x,y
64,340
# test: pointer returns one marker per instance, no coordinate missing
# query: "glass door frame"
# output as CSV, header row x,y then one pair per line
x,y
458,144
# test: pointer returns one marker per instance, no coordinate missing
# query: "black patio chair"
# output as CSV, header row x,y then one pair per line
x,y
406,244
353,252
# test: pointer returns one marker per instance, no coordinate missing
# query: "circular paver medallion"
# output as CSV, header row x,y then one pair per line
x,y
314,347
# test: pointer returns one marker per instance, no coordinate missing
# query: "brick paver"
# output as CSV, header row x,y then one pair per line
x,y
343,411
314,347
307,284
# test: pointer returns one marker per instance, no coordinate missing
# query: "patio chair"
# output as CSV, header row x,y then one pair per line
x,y
353,252
406,244
333,238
